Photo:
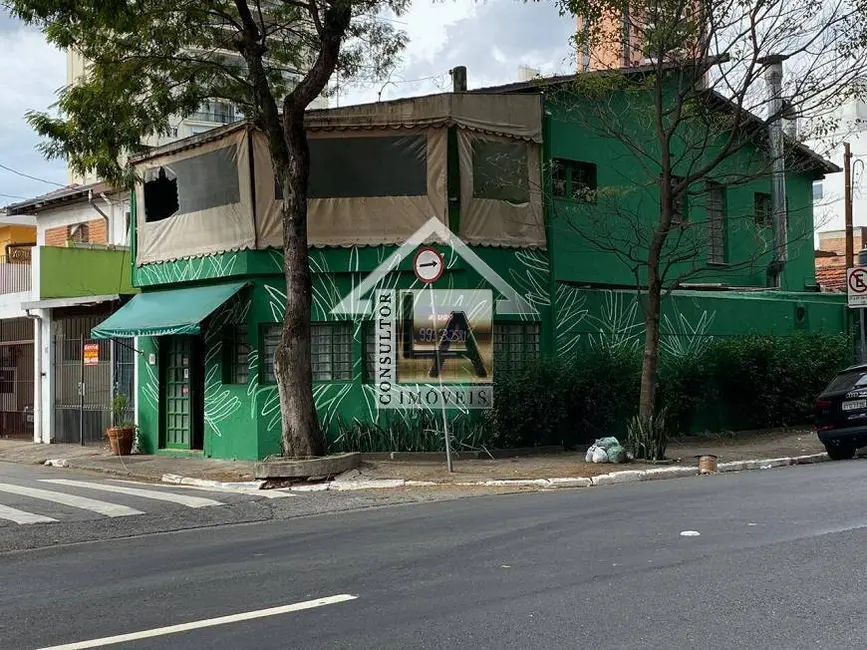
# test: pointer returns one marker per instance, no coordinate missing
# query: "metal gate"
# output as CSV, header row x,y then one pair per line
x,y
16,378
88,375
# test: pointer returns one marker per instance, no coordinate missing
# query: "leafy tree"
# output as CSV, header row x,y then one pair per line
x,y
149,60
685,90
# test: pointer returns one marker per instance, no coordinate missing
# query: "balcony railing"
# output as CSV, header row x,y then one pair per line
x,y
221,117
15,274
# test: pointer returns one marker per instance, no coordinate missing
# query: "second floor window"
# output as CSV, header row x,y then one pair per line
x,y
680,204
716,224
574,180
763,209
79,233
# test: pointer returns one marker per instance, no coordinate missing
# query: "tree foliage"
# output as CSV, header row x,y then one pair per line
x,y
150,62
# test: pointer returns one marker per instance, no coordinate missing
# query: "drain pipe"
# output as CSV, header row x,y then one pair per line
x,y
774,80
101,213
37,362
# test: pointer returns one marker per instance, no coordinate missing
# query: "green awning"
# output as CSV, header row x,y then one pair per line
x,y
166,312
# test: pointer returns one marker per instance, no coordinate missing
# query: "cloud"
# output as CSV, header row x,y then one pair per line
x,y
31,71
492,39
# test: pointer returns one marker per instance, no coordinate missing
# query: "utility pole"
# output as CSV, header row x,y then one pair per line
x,y
847,207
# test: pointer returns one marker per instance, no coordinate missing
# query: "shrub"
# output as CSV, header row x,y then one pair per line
x,y
737,383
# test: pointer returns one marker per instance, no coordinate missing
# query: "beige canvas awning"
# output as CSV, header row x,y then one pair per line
x,y
378,173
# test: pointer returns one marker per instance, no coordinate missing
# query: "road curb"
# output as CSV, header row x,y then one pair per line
x,y
612,478
246,486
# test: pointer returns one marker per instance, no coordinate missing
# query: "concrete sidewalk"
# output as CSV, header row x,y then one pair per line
x,y
146,468
681,453
565,469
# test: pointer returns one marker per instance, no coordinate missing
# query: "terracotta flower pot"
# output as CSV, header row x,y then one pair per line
x,y
121,440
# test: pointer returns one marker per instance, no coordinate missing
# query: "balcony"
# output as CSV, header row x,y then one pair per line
x,y
80,272
16,274
214,117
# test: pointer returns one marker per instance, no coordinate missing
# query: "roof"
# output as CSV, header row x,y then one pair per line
x,y
539,84
832,276
502,114
63,195
559,80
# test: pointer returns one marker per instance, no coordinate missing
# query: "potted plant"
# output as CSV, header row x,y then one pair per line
x,y
122,433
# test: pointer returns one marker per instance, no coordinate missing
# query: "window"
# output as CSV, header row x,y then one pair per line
x,y
270,339
574,180
500,171
331,351
193,184
79,233
818,191
515,345
236,351
680,205
763,208
369,352
341,167
716,224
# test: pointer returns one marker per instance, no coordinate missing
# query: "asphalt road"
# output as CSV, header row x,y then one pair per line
x,y
779,563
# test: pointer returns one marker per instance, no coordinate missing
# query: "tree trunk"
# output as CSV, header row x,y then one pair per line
x,y
302,435
650,359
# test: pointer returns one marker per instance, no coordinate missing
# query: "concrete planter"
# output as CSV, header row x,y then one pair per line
x,y
307,467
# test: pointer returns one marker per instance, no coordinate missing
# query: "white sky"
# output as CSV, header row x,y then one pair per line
x,y
491,38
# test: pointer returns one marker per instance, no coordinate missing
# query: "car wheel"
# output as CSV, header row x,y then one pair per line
x,y
840,453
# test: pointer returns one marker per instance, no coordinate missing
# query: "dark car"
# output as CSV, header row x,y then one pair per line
x,y
841,413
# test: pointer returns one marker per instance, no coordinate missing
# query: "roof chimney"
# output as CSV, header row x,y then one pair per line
x,y
459,78
775,112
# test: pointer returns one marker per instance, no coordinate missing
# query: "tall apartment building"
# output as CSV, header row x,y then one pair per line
x,y
209,115
622,41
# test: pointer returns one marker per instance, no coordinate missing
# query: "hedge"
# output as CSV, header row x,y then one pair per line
x,y
732,384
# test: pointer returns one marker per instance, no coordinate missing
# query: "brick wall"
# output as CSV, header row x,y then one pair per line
x,y
834,241
97,233
56,236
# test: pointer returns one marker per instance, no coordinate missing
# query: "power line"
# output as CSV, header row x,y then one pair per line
x,y
33,178
12,196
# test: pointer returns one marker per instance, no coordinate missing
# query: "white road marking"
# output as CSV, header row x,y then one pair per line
x,y
182,499
275,493
102,507
21,517
208,622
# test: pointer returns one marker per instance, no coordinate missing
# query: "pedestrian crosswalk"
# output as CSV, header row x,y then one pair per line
x,y
183,499
48,501
85,503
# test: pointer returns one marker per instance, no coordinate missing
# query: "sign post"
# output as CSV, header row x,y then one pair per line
x,y
429,266
856,290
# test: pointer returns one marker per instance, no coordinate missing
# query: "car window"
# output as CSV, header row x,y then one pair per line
x,y
847,380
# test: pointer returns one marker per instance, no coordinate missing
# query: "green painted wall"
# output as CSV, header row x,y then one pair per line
x,y
72,272
627,207
244,421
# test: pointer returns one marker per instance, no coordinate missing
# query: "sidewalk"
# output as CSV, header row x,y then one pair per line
x,y
146,468
567,469
682,453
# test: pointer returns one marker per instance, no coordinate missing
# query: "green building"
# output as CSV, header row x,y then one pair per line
x,y
505,172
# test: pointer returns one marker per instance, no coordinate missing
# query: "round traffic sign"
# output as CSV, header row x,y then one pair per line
x,y
858,280
428,265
